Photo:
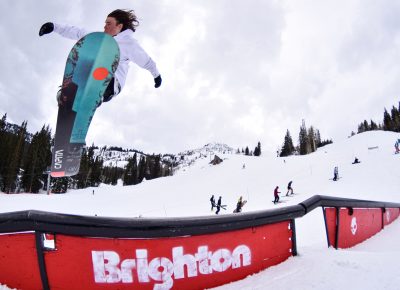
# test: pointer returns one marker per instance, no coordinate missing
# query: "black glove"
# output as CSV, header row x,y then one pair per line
x,y
157,81
46,28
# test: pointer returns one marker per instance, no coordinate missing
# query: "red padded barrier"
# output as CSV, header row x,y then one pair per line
x,y
19,266
390,215
330,225
361,225
356,225
190,262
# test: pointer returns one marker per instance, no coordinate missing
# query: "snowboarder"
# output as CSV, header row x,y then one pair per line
x,y
335,173
121,24
219,203
239,205
356,161
212,200
276,194
289,188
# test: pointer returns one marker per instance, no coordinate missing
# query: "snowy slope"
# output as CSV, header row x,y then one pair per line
x,y
187,193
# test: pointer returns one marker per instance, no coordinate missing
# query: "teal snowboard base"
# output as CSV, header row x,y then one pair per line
x,y
91,65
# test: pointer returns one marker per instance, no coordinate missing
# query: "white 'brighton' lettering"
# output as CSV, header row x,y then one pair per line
x,y
108,268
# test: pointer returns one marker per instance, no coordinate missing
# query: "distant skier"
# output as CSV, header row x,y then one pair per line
x,y
276,194
212,200
335,173
396,146
356,161
289,188
121,24
219,203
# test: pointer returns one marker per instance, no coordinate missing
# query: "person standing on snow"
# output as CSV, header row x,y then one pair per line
x,y
219,203
121,24
212,200
335,173
239,205
276,194
289,188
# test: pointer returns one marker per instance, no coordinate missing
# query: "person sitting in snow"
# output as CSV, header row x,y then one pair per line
x,y
356,161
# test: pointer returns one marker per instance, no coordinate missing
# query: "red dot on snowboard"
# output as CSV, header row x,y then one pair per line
x,y
100,73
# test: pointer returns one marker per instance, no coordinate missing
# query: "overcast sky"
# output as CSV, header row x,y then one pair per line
x,y
233,71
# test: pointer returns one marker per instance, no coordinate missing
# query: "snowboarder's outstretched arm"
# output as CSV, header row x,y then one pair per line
x,y
67,31
139,56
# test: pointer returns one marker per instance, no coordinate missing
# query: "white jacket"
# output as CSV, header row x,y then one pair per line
x,y
130,50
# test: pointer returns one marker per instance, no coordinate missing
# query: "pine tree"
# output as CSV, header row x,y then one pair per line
x,y
115,175
318,138
156,166
141,169
387,121
131,174
97,167
395,119
4,153
36,161
84,170
257,150
10,180
287,147
311,139
304,143
373,126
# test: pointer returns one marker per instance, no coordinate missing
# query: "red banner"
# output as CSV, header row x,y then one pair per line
x,y
356,225
390,215
361,225
330,225
189,262
18,261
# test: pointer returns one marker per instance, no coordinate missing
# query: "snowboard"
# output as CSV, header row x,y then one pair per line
x,y
223,206
280,201
90,66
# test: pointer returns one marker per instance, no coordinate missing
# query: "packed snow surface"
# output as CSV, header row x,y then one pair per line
x,y
370,265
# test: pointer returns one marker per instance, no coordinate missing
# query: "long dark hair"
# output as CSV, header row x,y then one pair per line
x,y
127,18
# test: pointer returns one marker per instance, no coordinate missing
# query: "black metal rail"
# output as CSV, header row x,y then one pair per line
x,y
32,220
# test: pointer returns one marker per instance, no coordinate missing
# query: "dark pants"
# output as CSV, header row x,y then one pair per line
x,y
276,199
218,209
109,92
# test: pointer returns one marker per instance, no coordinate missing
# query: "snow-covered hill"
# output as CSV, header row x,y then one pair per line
x,y
119,157
187,193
